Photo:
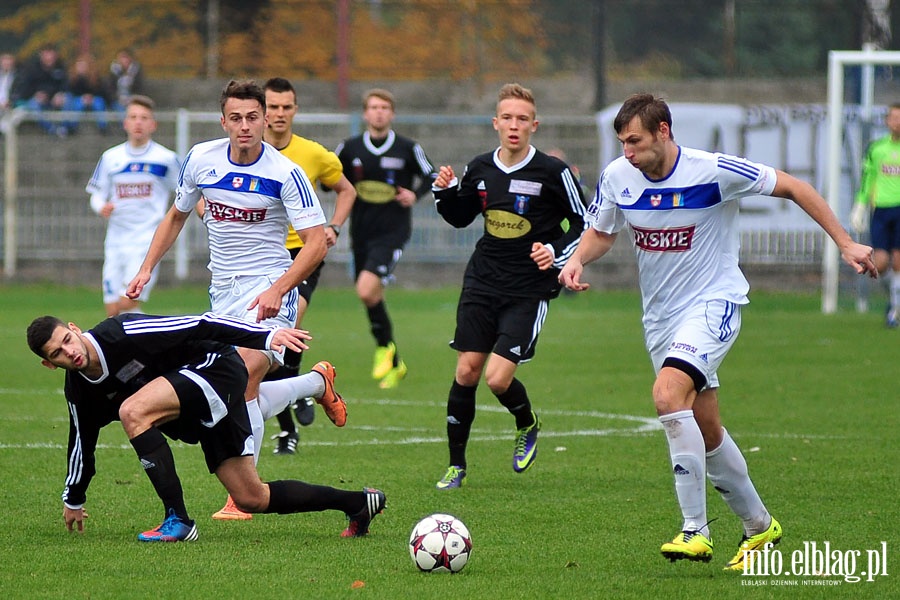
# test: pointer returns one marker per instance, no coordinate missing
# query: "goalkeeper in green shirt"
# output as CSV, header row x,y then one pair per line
x,y
879,193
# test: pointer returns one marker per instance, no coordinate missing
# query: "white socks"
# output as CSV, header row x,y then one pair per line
x,y
727,471
275,396
895,290
688,464
257,426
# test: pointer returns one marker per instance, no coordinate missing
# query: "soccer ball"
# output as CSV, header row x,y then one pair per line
x,y
440,543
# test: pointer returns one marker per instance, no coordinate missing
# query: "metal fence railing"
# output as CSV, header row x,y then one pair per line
x,y
47,218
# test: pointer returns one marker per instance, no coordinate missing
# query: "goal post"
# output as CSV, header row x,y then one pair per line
x,y
868,59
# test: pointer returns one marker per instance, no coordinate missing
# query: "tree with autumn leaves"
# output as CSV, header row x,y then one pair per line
x,y
399,39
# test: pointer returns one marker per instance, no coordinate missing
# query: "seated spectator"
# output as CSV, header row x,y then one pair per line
x,y
7,80
45,86
88,90
126,78
7,77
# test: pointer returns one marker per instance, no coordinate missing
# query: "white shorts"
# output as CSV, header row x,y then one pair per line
x,y
232,297
701,336
120,265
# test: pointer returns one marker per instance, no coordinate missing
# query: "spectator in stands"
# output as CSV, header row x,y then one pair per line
x,y
125,78
88,90
45,86
7,81
7,78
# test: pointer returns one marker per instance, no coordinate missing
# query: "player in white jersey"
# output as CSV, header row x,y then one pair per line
x,y
679,204
251,192
130,187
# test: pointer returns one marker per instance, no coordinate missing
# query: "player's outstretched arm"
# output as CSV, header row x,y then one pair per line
x,y
292,339
592,246
74,518
858,256
165,236
343,204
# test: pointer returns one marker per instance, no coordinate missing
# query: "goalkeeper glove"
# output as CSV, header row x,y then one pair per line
x,y
859,217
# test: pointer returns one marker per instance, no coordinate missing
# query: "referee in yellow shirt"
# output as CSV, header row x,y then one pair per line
x,y
323,166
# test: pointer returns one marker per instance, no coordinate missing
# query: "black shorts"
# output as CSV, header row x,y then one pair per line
x,y
213,410
379,257
308,285
885,228
508,327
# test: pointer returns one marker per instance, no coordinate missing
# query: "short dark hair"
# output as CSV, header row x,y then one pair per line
x,y
279,84
648,108
40,331
245,89
145,101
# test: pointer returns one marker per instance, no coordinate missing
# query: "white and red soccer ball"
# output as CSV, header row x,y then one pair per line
x,y
440,543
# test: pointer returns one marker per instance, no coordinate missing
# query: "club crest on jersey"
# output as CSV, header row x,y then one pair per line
x,y
655,200
237,182
521,204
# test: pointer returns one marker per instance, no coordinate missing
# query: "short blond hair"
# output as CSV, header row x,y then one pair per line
x,y
516,91
381,94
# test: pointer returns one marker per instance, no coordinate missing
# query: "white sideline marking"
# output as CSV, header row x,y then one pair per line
x,y
419,435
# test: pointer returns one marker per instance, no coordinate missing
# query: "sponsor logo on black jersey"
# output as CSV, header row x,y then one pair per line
x,y
392,163
223,212
676,239
503,224
129,371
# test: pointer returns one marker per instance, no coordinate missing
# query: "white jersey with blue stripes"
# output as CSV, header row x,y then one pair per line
x,y
138,182
247,207
684,226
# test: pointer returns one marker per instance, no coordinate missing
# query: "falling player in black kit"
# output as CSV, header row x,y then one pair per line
x,y
524,196
390,173
183,377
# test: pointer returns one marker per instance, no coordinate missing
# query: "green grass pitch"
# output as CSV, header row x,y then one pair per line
x,y
812,400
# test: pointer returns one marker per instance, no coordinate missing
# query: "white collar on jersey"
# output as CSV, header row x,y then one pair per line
x,y
518,165
379,150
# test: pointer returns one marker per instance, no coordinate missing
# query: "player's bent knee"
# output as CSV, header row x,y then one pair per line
x,y
132,415
250,502
497,385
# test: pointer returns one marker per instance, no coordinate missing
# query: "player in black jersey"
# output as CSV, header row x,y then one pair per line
x,y
524,196
183,377
390,172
